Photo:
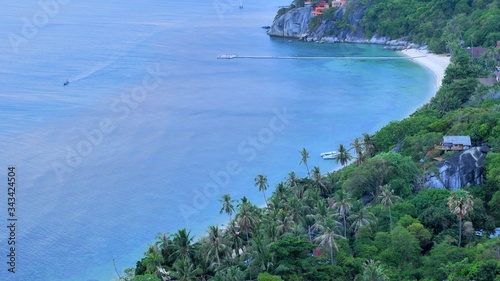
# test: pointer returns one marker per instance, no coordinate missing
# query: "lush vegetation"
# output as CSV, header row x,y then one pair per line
x,y
438,23
374,219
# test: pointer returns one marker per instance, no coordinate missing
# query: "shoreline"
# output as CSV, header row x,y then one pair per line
x,y
437,64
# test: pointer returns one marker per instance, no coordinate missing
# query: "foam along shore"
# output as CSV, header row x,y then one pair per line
x,y
436,63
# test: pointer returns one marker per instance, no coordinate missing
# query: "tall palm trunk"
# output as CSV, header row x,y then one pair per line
x,y
345,229
217,254
309,233
331,254
246,229
390,217
459,232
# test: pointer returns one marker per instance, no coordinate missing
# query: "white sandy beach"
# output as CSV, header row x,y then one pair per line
x,y
436,63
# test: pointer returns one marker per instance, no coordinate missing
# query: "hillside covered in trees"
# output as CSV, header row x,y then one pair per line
x,y
439,24
374,219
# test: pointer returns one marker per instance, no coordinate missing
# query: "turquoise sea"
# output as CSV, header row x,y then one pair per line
x,y
152,128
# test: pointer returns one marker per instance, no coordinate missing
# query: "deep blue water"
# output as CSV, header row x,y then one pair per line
x,y
152,129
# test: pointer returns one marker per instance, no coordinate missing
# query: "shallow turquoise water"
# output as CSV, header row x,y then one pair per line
x,y
104,166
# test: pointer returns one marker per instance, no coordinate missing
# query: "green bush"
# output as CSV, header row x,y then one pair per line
x,y
265,276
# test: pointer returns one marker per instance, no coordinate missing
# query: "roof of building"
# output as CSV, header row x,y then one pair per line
x,y
487,80
476,52
465,140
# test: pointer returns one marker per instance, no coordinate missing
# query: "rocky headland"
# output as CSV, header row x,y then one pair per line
x,y
342,27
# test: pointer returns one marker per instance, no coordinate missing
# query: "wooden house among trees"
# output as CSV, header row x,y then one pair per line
x,y
457,143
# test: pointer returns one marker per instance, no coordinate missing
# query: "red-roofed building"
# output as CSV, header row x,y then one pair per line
x,y
320,7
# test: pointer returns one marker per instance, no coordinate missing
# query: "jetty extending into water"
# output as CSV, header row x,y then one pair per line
x,y
311,58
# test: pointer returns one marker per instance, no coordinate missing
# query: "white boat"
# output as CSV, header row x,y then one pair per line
x,y
227,57
328,155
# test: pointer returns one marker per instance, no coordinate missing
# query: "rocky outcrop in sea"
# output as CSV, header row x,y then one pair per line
x,y
343,28
294,23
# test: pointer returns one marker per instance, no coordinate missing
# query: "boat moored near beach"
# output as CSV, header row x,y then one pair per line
x,y
330,155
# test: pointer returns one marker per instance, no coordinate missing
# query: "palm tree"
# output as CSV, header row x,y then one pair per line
x,y
232,235
227,205
297,209
387,198
297,189
216,241
292,179
318,180
358,148
342,204
372,271
261,254
245,218
327,228
182,245
284,222
261,183
308,222
362,218
281,192
305,155
460,203
153,259
232,273
163,242
343,156
184,270
368,144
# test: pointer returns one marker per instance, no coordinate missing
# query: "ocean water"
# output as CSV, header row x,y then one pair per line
x,y
152,128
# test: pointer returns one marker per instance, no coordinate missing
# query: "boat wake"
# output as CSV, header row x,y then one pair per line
x,y
101,66
117,56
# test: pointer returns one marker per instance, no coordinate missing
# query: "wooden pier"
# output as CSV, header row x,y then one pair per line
x,y
315,58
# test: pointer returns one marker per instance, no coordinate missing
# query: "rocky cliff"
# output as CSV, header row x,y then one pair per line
x,y
460,169
294,23
342,27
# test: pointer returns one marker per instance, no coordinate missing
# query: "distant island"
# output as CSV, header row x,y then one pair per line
x,y
417,200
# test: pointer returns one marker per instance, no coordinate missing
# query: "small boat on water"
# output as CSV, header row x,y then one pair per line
x,y
227,57
66,83
330,155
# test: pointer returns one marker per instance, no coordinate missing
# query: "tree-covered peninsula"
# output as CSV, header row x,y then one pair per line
x,y
437,23
379,217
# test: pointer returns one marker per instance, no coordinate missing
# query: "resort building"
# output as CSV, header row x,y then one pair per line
x,y
454,143
320,7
